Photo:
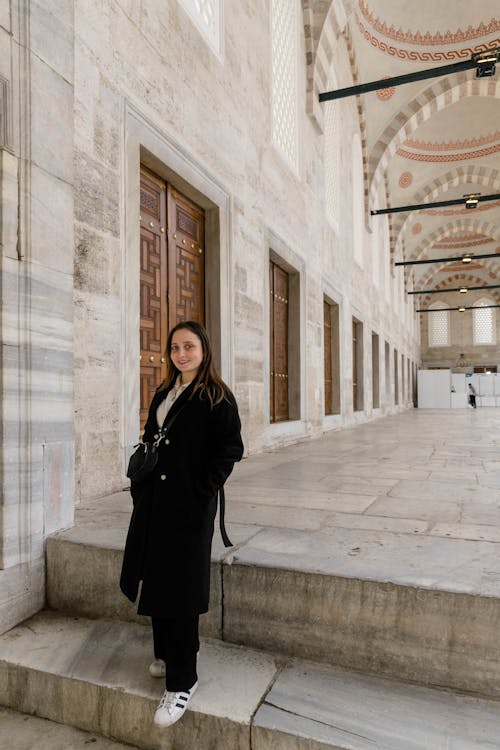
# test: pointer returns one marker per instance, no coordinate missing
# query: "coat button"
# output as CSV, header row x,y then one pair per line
x,y
167,441
163,477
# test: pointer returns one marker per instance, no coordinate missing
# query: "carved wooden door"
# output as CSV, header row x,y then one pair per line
x,y
186,259
354,365
153,289
279,343
172,275
327,334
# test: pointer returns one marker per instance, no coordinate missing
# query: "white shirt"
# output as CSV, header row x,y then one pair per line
x,y
167,402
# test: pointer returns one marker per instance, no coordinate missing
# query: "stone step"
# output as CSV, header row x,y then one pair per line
x,y
93,675
421,609
24,732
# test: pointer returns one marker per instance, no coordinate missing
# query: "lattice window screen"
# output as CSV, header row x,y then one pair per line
x,y
206,14
439,326
483,323
331,159
357,199
284,74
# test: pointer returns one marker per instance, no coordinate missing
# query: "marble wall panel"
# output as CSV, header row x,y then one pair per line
x,y
22,592
58,485
51,35
96,261
8,203
5,50
96,195
51,99
5,16
51,221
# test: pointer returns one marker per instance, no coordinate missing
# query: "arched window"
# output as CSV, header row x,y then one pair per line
x,y
483,322
358,199
284,33
439,324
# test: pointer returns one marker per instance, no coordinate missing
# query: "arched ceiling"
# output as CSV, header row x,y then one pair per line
x,y
430,140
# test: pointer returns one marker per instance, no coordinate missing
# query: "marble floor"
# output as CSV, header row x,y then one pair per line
x,y
412,498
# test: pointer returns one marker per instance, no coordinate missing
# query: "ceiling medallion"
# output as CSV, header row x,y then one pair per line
x,y
405,180
386,94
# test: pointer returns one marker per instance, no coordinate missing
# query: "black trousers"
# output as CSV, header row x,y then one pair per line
x,y
177,643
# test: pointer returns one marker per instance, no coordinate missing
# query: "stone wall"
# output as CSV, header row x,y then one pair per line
x,y
36,210
461,338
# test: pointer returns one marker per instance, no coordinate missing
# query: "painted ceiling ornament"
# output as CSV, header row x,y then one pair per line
x,y
405,180
385,94
416,228
448,157
459,211
459,145
426,39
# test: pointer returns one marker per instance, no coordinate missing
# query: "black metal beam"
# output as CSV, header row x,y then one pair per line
x,y
445,291
484,62
435,204
468,307
446,260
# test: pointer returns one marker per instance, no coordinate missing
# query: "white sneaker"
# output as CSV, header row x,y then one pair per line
x,y
157,668
172,706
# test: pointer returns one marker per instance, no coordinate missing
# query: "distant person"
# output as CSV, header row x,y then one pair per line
x,y
170,536
472,395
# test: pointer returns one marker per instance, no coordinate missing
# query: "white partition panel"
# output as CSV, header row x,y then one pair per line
x,y
434,389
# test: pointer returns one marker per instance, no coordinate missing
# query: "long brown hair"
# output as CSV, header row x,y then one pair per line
x,y
207,383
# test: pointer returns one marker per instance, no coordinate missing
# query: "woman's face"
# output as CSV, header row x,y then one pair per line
x,y
186,352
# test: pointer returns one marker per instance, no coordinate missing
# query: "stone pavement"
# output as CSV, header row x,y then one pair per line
x,y
413,498
364,579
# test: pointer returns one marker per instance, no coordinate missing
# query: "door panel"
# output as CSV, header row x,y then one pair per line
x,y
186,261
279,343
153,282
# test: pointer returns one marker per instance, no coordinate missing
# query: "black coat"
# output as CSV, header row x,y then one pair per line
x,y
170,535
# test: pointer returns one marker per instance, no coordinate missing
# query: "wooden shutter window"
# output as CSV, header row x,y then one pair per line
x,y
279,304
354,366
328,375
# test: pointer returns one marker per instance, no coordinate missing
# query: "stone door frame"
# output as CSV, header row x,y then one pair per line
x,y
146,143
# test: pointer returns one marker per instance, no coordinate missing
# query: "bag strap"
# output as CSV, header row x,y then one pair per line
x,y
222,510
167,424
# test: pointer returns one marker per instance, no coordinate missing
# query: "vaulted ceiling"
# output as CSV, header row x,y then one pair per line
x,y
430,140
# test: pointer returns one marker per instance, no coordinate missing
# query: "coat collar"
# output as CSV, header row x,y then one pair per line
x,y
179,401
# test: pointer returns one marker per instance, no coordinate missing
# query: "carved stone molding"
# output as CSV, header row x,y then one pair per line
x,y
5,114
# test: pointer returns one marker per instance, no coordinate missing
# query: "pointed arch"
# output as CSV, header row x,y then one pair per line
x,y
436,97
472,174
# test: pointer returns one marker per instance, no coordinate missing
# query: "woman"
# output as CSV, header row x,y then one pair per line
x,y
170,536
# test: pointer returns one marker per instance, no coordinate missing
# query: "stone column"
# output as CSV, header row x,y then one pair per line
x,y
36,233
